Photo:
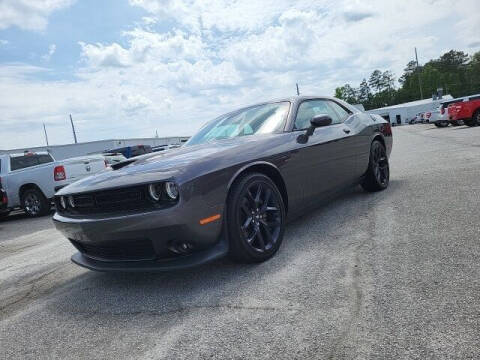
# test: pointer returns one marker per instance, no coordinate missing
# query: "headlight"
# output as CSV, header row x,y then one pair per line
x,y
155,191
166,191
71,202
63,202
172,190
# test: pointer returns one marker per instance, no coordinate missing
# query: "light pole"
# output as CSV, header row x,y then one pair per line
x,y
73,129
45,131
418,74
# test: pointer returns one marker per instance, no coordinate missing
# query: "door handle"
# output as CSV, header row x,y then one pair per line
x,y
346,131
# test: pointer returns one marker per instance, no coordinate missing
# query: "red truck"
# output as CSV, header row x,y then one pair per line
x,y
467,110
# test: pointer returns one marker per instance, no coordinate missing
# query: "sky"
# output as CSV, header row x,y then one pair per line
x,y
131,68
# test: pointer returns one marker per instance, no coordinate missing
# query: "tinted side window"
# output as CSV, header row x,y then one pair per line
x,y
22,162
344,114
310,108
45,159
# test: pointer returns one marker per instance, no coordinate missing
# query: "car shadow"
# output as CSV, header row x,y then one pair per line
x,y
212,285
17,215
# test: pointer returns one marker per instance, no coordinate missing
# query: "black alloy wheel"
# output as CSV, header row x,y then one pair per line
x,y
256,217
378,174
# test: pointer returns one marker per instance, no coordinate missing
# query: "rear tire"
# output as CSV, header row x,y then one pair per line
x,y
377,176
34,203
255,219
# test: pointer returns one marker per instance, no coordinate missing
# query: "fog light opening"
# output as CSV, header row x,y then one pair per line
x,y
181,247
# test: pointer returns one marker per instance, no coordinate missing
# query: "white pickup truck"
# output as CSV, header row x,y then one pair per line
x,y
30,180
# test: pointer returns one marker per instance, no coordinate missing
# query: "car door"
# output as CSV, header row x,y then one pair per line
x,y
328,159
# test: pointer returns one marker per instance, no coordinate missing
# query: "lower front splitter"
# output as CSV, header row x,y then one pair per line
x,y
217,251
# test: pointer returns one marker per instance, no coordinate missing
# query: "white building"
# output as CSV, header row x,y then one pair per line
x,y
402,113
61,152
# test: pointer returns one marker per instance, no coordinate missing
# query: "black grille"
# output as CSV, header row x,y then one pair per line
x,y
139,249
132,198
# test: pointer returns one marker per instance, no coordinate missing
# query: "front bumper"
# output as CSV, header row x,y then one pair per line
x,y
183,262
156,240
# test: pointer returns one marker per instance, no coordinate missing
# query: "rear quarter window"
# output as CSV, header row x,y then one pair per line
x,y
342,112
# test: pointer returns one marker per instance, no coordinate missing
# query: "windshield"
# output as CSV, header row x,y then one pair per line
x,y
259,119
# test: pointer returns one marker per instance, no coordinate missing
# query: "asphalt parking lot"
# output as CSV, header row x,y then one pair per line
x,y
387,275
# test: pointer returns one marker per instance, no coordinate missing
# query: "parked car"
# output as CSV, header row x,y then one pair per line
x,y
439,116
417,119
31,179
113,158
467,111
132,151
426,116
229,189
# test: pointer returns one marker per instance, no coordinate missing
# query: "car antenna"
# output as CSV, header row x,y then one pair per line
x,y
298,91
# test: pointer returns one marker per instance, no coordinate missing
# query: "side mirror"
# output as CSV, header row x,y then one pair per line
x,y
321,120
317,121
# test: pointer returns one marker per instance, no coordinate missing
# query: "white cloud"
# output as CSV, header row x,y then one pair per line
x,y
222,54
98,55
29,14
51,50
3,42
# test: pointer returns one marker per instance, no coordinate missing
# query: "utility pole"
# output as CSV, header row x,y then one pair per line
x,y
73,129
45,131
418,74
298,91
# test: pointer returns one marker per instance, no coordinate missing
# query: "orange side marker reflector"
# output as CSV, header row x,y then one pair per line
x,y
209,219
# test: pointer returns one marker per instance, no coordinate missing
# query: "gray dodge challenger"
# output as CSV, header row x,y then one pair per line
x,y
229,190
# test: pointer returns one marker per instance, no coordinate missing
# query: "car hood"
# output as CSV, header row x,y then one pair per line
x,y
158,166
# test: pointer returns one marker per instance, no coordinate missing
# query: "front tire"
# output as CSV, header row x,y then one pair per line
x,y
255,219
34,203
377,176
476,118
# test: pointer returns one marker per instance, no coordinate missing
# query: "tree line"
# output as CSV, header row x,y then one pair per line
x,y
455,71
